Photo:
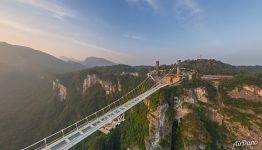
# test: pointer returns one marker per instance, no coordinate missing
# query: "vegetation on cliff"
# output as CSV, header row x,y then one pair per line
x,y
50,115
234,105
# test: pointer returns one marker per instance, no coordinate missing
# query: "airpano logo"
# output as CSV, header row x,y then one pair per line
x,y
245,143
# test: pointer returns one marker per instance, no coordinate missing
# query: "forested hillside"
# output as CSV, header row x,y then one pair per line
x,y
208,119
26,91
212,66
42,103
49,114
28,102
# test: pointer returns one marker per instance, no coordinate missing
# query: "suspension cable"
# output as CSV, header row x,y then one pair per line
x,y
118,100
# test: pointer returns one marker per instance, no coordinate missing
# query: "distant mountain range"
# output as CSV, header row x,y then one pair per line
x,y
27,59
89,62
28,102
26,77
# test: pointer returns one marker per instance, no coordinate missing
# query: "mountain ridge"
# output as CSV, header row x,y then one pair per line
x,y
31,59
90,62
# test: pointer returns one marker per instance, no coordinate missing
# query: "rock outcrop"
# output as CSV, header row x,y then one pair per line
x,y
60,89
108,86
201,94
159,127
248,92
135,74
253,89
180,109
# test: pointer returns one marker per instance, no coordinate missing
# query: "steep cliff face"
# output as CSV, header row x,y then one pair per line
x,y
159,127
190,133
198,117
108,86
60,89
215,123
175,114
190,116
198,123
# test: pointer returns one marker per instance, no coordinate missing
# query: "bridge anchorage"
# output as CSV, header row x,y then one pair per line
x,y
110,116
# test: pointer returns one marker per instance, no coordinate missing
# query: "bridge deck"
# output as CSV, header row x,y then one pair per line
x,y
68,141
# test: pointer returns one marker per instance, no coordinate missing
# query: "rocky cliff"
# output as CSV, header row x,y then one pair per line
x,y
60,89
201,122
159,127
108,86
196,114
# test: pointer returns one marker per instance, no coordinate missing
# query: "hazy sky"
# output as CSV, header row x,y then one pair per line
x,y
137,31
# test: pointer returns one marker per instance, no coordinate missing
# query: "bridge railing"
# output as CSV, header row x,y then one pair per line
x,y
77,125
74,127
142,87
